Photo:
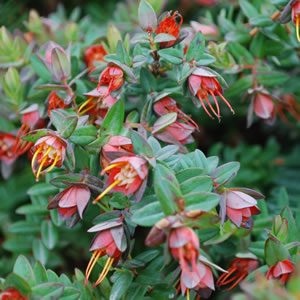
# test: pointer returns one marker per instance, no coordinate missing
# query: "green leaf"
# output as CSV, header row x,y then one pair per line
x,y
148,215
113,122
171,55
122,54
225,172
40,273
40,252
24,227
34,135
147,16
272,78
13,86
140,144
39,68
50,291
23,268
189,173
242,55
70,293
164,37
196,47
238,36
84,135
32,209
261,21
201,201
49,234
16,281
163,122
148,81
239,87
136,291
63,122
197,184
121,285
248,9
275,251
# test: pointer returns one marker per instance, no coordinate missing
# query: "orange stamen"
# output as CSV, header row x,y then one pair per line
x,y
111,167
87,109
238,281
85,104
34,159
45,157
297,28
212,109
52,166
106,191
223,98
91,264
105,270
187,294
203,105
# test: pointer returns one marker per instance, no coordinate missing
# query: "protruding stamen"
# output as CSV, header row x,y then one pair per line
x,y
203,105
88,109
189,120
45,157
224,276
85,104
91,264
297,28
111,167
34,159
53,164
223,98
187,294
106,191
237,282
105,270
211,107
216,102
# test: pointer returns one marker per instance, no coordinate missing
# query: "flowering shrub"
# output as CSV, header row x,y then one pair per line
x,y
112,125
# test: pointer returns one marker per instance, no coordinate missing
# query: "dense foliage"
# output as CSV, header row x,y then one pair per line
x,y
161,157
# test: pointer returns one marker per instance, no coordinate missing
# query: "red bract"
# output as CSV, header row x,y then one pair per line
x,y
115,146
12,294
205,85
47,151
169,26
55,102
113,77
168,105
72,200
238,270
264,107
92,54
98,104
31,117
103,244
282,271
240,207
7,141
126,174
296,17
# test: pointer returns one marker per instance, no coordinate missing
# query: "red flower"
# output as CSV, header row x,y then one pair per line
x,y
296,16
49,151
103,244
92,54
210,30
12,294
177,131
71,202
205,85
55,102
240,207
206,2
168,105
282,271
238,270
31,117
264,107
115,146
169,26
113,77
99,102
125,174
184,246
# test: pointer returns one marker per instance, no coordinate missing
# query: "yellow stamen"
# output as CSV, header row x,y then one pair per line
x,y
111,167
85,104
45,157
87,109
105,270
106,191
34,158
297,28
91,264
52,166
187,294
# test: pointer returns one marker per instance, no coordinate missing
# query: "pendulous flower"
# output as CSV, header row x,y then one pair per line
x,y
116,146
49,151
111,76
169,26
92,54
296,16
98,103
55,102
71,202
240,207
203,84
125,174
264,106
32,118
238,270
281,271
103,244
